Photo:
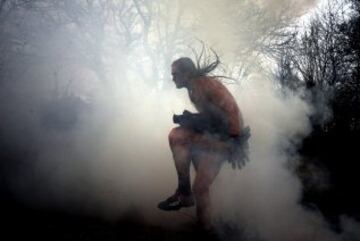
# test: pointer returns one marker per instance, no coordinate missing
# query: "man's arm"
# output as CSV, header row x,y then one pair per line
x,y
196,122
221,99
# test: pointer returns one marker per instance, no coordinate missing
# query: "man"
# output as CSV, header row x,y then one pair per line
x,y
206,138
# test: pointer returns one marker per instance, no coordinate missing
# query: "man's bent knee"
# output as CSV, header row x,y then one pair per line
x,y
200,189
179,136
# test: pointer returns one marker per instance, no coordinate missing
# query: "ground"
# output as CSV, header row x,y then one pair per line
x,y
25,223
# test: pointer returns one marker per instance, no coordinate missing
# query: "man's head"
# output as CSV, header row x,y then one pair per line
x,y
183,70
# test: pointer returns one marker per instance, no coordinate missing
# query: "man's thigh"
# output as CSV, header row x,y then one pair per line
x,y
180,136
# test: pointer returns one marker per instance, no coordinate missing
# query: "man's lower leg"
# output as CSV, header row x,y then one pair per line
x,y
183,195
184,185
203,209
182,161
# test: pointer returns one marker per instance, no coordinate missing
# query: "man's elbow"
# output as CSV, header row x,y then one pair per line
x,y
234,130
235,125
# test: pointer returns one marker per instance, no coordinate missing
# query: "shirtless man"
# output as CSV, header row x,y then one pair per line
x,y
205,138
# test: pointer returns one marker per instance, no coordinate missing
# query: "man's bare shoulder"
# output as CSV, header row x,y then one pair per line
x,y
211,84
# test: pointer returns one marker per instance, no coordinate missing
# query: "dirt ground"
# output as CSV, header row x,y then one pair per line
x,y
24,223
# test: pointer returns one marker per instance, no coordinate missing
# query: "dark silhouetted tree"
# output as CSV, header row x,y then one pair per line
x,y
324,61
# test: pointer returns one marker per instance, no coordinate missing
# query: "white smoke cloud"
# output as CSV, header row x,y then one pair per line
x,y
263,197
117,158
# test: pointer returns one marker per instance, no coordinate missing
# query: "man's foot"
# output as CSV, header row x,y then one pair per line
x,y
176,201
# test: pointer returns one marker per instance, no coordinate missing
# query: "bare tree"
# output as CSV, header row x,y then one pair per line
x,y
323,61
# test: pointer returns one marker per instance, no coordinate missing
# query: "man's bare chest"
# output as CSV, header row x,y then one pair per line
x,y
199,100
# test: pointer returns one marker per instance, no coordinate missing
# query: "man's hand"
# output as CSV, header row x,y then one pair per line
x,y
176,119
184,118
201,123
194,121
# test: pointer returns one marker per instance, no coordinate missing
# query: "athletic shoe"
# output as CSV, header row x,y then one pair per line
x,y
177,201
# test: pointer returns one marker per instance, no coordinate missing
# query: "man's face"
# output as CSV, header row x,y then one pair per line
x,y
178,77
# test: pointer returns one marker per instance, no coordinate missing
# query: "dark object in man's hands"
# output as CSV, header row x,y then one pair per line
x,y
200,122
185,119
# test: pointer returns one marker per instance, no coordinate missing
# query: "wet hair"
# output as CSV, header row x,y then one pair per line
x,y
186,65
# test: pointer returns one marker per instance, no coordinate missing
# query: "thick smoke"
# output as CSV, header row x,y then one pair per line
x,y
102,148
263,197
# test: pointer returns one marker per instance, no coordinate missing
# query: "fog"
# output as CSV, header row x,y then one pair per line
x,y
87,104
